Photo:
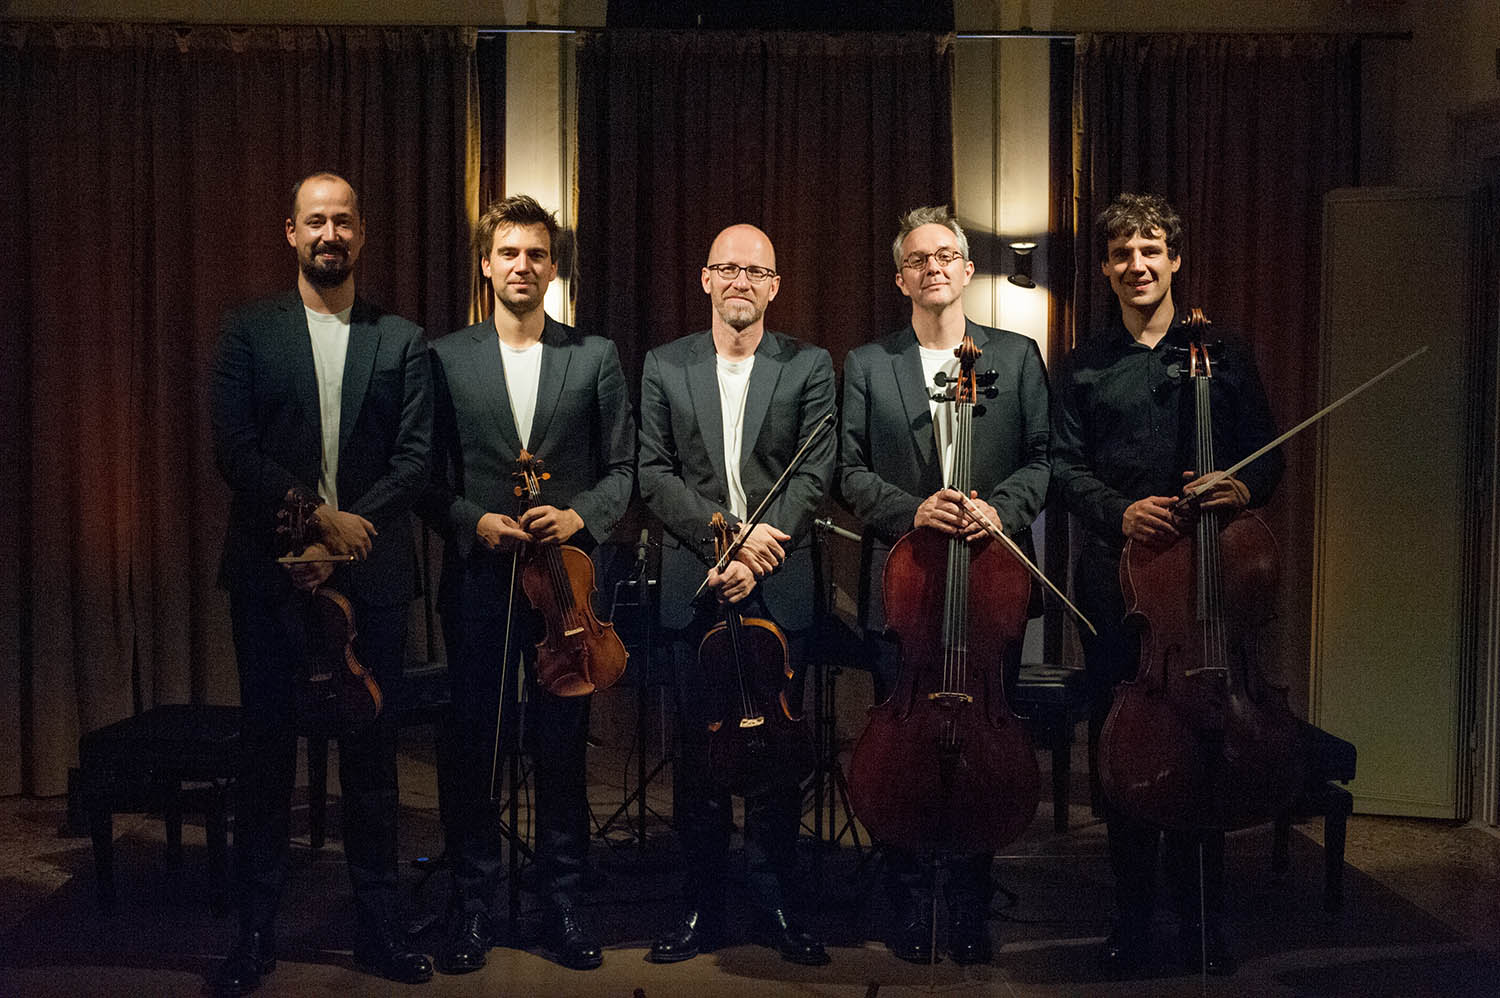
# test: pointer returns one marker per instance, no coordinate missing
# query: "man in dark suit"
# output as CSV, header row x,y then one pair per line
x,y
320,391
518,379
894,466
722,414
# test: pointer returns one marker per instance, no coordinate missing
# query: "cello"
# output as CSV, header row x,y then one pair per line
x,y
944,764
334,687
757,743
579,654
1199,740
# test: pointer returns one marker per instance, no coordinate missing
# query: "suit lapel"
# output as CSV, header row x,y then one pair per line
x,y
359,360
763,378
703,386
489,369
906,368
298,345
550,380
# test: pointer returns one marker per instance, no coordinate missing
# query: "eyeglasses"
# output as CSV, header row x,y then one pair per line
x,y
729,271
918,261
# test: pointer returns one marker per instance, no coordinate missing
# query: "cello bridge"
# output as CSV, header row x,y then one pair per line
x,y
752,722
942,697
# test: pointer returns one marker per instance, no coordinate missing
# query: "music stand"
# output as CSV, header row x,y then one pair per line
x,y
833,643
637,596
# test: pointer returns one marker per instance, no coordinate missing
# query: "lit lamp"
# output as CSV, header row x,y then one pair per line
x,y
1022,277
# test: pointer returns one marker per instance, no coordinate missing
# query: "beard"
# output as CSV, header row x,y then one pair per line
x,y
739,316
327,273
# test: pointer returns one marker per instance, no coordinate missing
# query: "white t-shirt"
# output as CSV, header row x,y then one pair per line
x,y
523,372
330,345
734,385
944,418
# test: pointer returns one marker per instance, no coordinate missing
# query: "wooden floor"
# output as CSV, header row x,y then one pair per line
x,y
1422,914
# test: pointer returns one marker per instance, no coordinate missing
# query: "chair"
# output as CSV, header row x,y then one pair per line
x,y
171,759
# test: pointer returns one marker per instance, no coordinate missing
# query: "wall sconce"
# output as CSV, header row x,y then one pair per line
x,y
1022,277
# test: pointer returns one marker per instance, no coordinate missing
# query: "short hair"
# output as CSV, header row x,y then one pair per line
x,y
321,175
931,215
1145,214
518,209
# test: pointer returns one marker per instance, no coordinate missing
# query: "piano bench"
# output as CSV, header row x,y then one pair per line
x,y
170,759
1329,761
1053,698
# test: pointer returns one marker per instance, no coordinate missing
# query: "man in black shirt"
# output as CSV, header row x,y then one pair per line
x,y
1122,438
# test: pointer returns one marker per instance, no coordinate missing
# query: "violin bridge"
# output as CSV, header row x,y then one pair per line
x,y
950,698
752,722
572,631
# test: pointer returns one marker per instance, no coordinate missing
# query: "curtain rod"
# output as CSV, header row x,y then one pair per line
x,y
1399,36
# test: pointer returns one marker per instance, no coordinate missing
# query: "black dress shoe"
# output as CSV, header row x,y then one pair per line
x,y
912,941
1126,953
571,943
252,957
1207,952
694,934
795,945
969,936
381,952
464,943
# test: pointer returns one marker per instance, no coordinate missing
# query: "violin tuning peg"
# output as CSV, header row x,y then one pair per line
x,y
979,410
988,377
518,491
941,378
991,392
939,396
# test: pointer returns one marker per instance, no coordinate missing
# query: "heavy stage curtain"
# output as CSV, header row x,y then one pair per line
x,y
821,140
147,175
1244,135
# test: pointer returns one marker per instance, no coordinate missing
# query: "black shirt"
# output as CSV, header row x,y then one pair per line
x,y
1123,426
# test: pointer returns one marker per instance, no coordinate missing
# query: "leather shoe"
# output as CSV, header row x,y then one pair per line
x,y
571,943
380,952
969,936
912,942
694,934
1126,953
774,929
465,943
1207,952
252,957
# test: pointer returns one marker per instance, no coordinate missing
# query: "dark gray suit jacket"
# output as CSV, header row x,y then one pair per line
x,y
582,431
888,460
682,462
268,438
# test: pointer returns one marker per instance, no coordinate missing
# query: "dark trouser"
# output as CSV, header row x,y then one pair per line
x,y
1110,658
908,880
472,772
704,809
268,638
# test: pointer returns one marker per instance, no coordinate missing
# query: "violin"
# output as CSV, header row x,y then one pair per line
x,y
944,764
1199,740
333,687
757,743
579,654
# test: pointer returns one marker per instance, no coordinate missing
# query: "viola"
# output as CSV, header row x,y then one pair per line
x,y
578,654
944,764
757,742
333,687
1200,740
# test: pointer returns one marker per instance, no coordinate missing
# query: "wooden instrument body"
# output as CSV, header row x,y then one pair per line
x,y
579,654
